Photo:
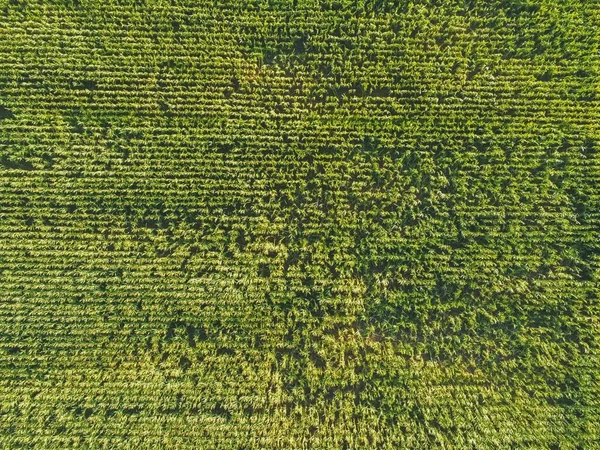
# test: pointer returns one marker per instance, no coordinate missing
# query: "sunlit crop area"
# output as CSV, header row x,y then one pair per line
x,y
299,224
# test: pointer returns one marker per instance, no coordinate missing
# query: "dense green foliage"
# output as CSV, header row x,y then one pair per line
x,y
299,224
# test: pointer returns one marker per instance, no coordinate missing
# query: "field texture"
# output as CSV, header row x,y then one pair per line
x,y
299,224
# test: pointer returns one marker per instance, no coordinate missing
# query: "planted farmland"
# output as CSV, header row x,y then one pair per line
x,y
306,224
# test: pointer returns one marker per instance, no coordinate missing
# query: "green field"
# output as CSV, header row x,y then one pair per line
x,y
300,224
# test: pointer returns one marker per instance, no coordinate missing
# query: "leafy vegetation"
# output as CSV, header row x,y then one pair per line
x,y
299,224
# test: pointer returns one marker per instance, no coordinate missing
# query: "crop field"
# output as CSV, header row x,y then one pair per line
x,y
300,224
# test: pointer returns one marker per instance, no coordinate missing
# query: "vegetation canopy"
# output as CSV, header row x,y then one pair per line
x,y
299,224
